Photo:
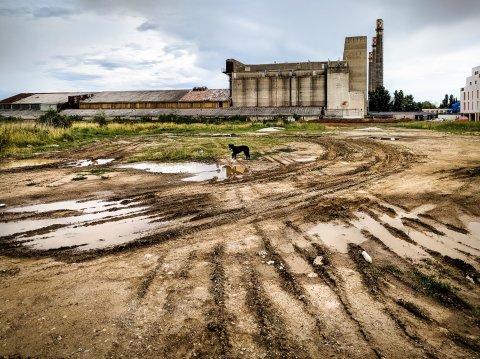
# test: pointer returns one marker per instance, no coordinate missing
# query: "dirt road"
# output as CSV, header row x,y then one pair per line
x,y
264,265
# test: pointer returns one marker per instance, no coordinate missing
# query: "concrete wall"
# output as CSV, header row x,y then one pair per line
x,y
338,86
355,53
279,88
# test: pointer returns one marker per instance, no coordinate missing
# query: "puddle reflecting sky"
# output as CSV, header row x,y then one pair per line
x,y
452,244
82,229
89,162
199,171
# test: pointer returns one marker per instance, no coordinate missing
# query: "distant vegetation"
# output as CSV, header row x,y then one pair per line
x,y
22,138
380,100
448,101
447,126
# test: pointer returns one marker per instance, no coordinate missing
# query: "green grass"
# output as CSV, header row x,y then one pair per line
x,y
432,286
447,126
207,148
100,171
20,139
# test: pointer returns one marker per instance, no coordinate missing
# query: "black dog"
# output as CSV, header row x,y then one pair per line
x,y
238,149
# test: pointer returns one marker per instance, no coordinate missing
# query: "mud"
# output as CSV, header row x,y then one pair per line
x,y
265,263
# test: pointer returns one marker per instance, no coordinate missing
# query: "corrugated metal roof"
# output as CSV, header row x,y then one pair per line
x,y
137,96
214,95
48,98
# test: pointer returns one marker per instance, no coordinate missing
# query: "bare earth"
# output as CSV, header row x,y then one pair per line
x,y
264,265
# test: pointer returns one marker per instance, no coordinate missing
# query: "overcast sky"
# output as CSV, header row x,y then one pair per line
x,y
430,46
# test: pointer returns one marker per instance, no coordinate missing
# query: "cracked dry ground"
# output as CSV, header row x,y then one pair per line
x,y
263,266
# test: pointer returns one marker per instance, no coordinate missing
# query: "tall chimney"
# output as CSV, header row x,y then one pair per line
x,y
372,66
379,55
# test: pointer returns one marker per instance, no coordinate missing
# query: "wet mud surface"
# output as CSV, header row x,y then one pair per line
x,y
265,264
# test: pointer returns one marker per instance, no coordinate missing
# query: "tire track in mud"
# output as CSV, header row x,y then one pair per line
x,y
183,206
175,315
319,258
423,332
218,314
271,325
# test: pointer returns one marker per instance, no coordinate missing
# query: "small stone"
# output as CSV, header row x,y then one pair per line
x,y
318,261
312,275
262,254
270,263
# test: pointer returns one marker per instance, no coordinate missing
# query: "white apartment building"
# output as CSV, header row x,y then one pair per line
x,y
470,96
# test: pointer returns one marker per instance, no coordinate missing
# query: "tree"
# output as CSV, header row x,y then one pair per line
x,y
54,118
411,105
444,103
100,118
428,104
451,101
379,99
398,101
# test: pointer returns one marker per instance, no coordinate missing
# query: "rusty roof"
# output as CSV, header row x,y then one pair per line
x,y
137,96
214,95
15,98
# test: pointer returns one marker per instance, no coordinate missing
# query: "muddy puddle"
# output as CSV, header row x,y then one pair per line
x,y
384,138
25,163
450,243
89,224
89,162
198,171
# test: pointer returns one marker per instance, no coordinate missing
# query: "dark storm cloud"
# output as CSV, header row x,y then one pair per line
x,y
52,12
146,26
14,12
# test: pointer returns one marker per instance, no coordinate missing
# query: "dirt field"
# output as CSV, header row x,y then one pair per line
x,y
264,265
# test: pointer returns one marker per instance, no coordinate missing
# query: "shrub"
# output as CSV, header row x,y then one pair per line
x,y
5,137
100,119
55,119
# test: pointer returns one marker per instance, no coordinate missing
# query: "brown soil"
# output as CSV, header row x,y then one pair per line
x,y
233,269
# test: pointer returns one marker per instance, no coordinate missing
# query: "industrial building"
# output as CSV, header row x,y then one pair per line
x,y
334,88
470,96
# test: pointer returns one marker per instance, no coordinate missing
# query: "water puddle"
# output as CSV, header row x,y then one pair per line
x,y
400,247
452,244
89,162
385,138
271,129
198,171
98,224
25,163
337,235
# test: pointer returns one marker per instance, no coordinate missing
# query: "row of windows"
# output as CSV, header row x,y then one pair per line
x,y
467,107
466,95
22,106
